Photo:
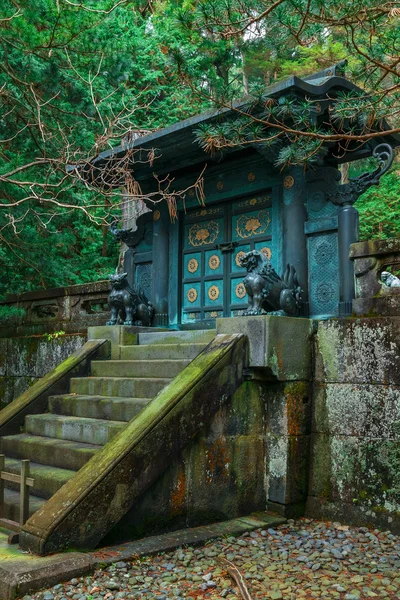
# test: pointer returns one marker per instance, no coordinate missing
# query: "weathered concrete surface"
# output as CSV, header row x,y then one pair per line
x,y
282,344
355,449
358,351
92,502
56,381
253,453
24,360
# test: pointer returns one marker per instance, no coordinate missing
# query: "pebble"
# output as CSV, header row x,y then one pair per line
x,y
301,559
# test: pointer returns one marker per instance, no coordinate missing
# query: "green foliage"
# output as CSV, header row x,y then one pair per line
x,y
379,209
76,77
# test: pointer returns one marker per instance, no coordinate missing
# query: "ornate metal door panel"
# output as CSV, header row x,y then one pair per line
x,y
251,230
213,240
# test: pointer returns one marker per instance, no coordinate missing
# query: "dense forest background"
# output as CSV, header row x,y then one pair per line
x,y
77,77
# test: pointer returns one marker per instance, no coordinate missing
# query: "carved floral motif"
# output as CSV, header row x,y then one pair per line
x,y
253,225
201,234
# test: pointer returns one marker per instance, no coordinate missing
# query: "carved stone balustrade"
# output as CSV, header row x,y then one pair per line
x,y
371,258
71,309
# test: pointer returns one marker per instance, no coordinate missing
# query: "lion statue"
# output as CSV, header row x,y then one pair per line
x,y
127,304
267,292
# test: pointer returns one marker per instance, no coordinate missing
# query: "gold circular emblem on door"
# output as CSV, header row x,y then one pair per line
x,y
193,265
192,295
213,292
267,252
288,182
251,176
240,290
156,215
220,185
214,261
238,258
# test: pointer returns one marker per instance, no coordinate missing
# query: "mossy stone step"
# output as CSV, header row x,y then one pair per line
x,y
161,351
48,479
125,387
97,407
78,429
137,368
11,504
65,454
178,337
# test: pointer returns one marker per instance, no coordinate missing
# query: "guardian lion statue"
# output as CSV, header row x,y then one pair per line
x,y
127,305
267,292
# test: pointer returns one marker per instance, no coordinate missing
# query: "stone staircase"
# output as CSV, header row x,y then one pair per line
x,y
59,442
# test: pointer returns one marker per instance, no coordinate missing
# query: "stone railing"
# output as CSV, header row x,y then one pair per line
x,y
71,309
376,295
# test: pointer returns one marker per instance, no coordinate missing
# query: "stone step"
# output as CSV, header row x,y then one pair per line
x,y
47,479
197,336
11,504
97,407
48,451
125,387
77,429
161,351
137,368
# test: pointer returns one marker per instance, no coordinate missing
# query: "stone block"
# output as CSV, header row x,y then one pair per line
x,y
21,356
287,466
282,344
12,387
225,478
289,408
118,335
161,508
358,471
358,351
388,305
357,410
245,414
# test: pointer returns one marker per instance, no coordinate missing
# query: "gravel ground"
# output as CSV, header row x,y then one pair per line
x,y
302,559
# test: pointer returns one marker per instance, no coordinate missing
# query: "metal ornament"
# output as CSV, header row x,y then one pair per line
x,y
192,295
288,182
348,193
240,290
248,226
214,261
267,252
239,257
213,292
201,234
193,265
156,215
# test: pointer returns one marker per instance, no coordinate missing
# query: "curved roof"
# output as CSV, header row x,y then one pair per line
x,y
176,145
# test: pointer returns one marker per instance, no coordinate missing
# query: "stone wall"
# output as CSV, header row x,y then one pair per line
x,y
355,450
24,360
52,324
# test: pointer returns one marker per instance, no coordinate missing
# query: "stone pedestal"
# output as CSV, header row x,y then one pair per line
x,y
280,366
